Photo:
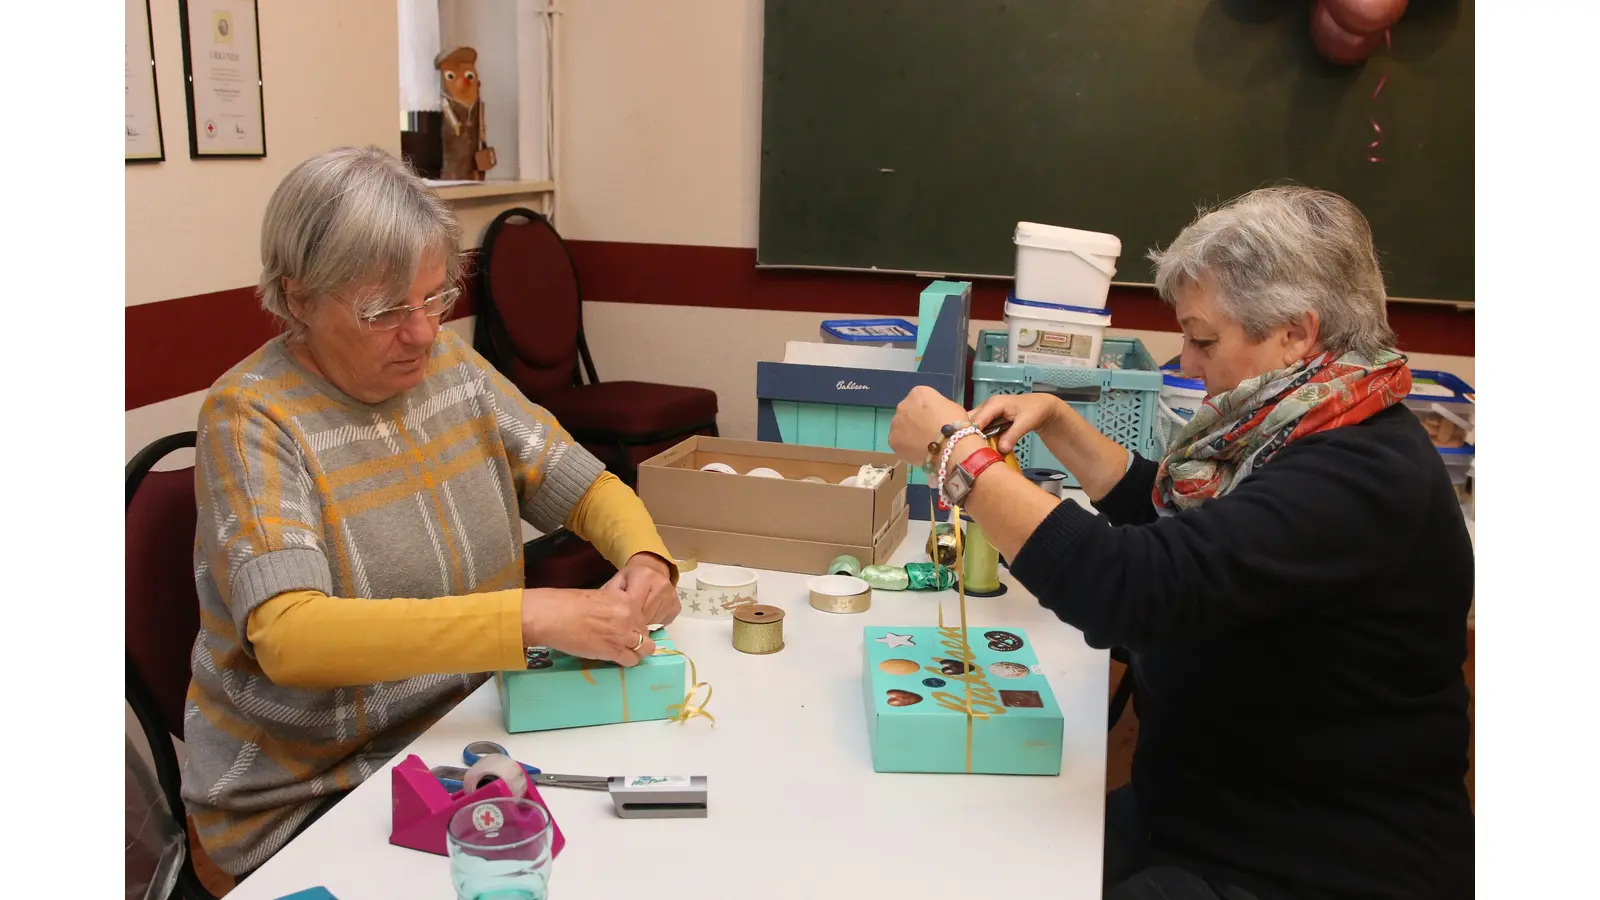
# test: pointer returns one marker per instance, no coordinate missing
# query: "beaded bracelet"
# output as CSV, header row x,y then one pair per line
x,y
944,458
945,432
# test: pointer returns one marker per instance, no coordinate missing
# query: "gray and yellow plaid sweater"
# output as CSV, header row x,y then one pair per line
x,y
302,488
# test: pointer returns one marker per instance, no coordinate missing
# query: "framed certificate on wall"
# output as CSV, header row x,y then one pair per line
x,y
141,110
222,78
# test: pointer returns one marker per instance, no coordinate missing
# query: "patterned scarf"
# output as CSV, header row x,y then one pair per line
x,y
1233,434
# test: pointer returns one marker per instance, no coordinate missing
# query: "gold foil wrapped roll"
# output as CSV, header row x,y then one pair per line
x,y
942,543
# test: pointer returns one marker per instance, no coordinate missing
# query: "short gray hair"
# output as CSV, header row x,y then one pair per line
x,y
1280,252
352,218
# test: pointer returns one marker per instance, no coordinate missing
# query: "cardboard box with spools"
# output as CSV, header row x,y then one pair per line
x,y
784,524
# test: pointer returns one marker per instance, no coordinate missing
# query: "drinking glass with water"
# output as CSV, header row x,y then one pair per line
x,y
500,850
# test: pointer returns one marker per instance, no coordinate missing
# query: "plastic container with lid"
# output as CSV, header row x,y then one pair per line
x,y
1445,404
1179,398
1053,334
1065,266
1458,462
870,332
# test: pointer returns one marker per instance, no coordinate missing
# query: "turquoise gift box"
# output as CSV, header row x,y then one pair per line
x,y
562,691
916,682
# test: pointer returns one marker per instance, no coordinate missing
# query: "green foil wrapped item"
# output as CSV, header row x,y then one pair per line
x,y
845,565
886,578
930,576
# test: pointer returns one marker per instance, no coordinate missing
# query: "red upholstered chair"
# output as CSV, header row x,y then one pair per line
x,y
162,618
529,307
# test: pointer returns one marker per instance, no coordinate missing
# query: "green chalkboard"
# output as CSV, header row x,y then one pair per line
x,y
912,135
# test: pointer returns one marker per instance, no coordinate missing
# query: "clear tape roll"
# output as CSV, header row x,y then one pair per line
x,y
498,766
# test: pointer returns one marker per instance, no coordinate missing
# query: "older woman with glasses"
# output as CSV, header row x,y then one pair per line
x,y
361,481
1291,577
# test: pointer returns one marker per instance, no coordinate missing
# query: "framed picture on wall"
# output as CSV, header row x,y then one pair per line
x,y
222,79
141,112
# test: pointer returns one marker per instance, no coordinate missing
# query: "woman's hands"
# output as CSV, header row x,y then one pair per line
x,y
924,411
1026,413
603,624
647,579
917,421
611,623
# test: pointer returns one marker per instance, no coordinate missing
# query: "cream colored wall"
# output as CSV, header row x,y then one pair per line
x,y
330,77
659,127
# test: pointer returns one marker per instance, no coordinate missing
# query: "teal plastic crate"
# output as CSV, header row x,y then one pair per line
x,y
1120,403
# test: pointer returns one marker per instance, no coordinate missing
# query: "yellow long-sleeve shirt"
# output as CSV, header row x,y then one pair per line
x,y
308,639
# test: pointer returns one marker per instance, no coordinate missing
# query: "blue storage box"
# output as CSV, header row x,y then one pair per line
x,y
851,408
1446,406
916,702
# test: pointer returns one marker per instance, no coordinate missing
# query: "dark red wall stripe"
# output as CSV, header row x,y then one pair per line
x,y
176,347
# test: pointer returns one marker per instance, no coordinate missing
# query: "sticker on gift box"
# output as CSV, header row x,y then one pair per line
x,y
1003,641
898,697
1008,670
1022,699
898,667
956,667
658,782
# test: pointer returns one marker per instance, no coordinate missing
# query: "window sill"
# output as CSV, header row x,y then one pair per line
x,y
494,189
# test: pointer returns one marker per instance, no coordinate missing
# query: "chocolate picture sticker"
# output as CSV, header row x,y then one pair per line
x,y
538,658
1022,699
1003,641
898,667
1008,670
935,682
956,667
898,697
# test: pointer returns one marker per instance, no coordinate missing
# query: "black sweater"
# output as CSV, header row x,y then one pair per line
x,y
1298,647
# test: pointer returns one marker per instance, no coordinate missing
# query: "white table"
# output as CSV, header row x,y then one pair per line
x,y
795,808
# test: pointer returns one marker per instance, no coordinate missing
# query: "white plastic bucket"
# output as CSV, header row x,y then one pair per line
x,y
1065,266
1050,334
1176,404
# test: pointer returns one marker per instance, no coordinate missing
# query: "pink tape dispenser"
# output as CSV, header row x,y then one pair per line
x,y
423,806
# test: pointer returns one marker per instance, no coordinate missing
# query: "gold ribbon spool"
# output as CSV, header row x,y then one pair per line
x,y
980,563
758,629
840,594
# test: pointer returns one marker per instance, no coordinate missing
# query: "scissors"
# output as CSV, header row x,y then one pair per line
x,y
451,776
996,428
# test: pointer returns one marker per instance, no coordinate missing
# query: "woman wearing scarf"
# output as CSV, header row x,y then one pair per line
x,y
1291,579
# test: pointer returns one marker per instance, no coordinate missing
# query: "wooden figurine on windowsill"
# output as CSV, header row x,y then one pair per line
x,y
467,155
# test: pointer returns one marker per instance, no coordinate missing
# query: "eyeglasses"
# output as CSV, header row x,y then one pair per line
x,y
434,307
